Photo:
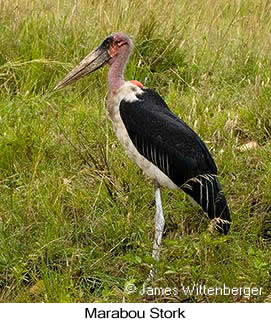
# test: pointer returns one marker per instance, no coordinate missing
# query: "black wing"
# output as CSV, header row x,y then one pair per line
x,y
165,140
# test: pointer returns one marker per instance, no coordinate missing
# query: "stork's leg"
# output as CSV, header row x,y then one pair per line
x,y
159,228
159,225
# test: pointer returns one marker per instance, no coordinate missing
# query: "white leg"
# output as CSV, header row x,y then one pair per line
x,y
159,225
159,228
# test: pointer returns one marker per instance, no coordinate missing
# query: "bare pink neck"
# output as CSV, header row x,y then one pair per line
x,y
115,78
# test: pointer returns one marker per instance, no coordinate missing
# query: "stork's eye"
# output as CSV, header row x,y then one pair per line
x,y
120,42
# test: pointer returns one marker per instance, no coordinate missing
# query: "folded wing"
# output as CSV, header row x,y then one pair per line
x,y
171,145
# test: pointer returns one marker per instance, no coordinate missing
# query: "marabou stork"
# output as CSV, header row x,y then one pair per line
x,y
159,142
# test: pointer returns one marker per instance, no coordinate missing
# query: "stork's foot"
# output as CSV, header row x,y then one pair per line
x,y
151,275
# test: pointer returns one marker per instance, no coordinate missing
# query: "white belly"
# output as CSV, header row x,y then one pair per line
x,y
128,92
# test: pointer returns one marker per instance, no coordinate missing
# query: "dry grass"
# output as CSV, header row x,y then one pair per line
x,y
76,215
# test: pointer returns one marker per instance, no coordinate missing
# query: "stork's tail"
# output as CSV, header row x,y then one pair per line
x,y
207,192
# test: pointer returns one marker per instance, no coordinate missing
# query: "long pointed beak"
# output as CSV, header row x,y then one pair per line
x,y
89,64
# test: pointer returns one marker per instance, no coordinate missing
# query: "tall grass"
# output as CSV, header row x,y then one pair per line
x,y
76,215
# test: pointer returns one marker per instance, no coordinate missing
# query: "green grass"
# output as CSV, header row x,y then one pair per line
x,y
76,215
